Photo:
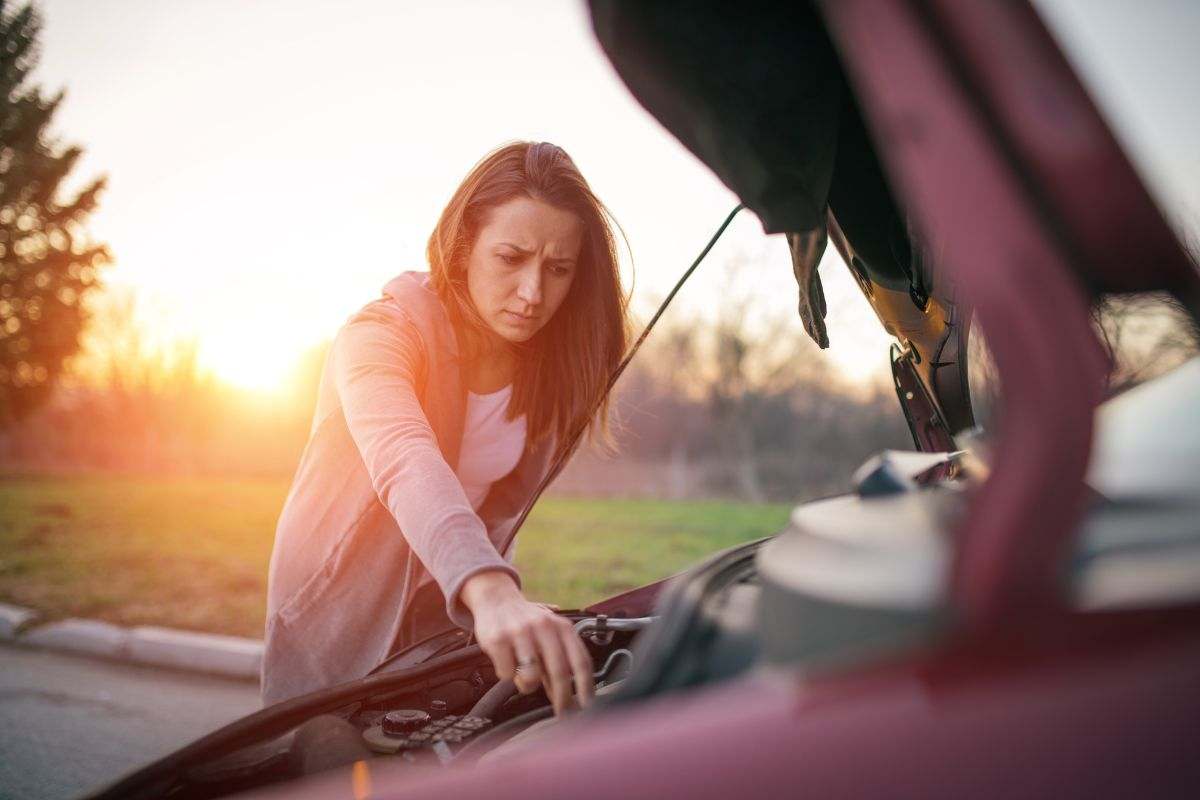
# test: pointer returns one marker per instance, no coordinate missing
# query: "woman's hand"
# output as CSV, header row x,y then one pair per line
x,y
526,641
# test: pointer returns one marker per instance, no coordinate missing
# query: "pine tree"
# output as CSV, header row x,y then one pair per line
x,y
47,260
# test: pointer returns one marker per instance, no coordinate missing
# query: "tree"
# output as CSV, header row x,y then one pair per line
x,y
47,260
755,361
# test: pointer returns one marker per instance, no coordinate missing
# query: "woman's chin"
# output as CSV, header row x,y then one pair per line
x,y
515,333
519,336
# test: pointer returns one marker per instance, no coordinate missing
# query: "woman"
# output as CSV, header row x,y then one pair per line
x,y
441,407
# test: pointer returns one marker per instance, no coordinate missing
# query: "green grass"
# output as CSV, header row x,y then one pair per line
x,y
192,553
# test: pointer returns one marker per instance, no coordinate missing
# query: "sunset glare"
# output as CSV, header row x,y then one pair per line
x,y
253,366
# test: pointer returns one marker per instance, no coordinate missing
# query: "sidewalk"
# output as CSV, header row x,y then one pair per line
x,y
210,654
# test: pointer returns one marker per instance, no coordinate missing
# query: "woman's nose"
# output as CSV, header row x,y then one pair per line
x,y
530,288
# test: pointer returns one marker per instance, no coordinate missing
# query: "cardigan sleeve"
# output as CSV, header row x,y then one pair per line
x,y
378,360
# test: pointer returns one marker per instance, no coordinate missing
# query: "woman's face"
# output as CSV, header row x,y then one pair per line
x,y
522,264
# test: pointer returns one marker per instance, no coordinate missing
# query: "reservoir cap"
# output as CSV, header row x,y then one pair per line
x,y
404,721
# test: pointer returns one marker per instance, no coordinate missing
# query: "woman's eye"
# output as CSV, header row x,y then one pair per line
x,y
560,270
508,259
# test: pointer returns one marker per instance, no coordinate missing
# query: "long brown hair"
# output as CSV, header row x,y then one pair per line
x,y
563,372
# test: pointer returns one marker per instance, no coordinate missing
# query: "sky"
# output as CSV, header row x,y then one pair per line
x,y
272,163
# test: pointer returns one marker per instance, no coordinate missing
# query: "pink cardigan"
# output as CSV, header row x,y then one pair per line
x,y
375,510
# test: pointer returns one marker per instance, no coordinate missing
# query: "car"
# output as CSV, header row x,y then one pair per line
x,y
1013,613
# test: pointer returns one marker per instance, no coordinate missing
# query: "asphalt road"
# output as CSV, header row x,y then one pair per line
x,y
69,724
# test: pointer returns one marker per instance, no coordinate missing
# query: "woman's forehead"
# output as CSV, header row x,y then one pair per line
x,y
532,225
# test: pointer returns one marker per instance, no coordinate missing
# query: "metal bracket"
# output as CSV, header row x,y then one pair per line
x,y
925,422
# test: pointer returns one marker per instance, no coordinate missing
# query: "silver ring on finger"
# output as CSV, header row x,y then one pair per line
x,y
528,665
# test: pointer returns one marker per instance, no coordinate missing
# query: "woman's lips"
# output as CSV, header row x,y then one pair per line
x,y
519,319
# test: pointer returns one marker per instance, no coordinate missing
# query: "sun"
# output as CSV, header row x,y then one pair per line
x,y
256,366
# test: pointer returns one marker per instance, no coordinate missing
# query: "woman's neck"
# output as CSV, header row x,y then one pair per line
x,y
491,370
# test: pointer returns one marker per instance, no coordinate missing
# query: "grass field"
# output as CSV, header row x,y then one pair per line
x,y
193,553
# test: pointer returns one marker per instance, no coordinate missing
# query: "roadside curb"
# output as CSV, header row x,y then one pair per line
x,y
206,653
14,619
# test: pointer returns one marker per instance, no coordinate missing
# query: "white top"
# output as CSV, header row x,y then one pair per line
x,y
491,444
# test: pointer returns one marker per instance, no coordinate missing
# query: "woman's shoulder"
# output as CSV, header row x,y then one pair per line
x,y
413,291
410,299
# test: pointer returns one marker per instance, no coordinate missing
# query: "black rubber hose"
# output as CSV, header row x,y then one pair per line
x,y
491,701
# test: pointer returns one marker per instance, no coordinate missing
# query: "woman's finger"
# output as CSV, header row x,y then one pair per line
x,y
529,668
557,669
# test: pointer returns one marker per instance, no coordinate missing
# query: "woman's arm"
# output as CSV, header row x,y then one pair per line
x,y
378,362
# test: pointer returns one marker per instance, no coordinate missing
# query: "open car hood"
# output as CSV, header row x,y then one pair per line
x,y
783,130
764,97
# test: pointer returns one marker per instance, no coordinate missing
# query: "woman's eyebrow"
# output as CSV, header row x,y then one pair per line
x,y
524,252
